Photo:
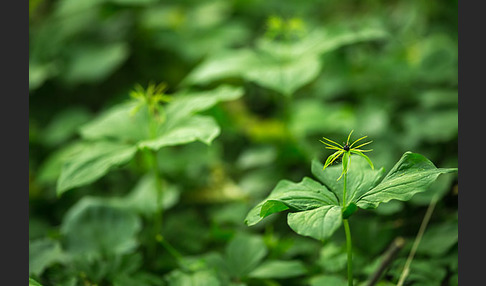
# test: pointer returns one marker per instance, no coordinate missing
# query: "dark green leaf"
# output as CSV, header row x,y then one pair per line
x,y
244,253
93,227
278,269
412,174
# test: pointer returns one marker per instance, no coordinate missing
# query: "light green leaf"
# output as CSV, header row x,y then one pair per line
x,y
143,198
95,63
284,76
91,163
412,174
43,253
94,227
119,123
220,65
65,125
198,278
187,103
278,269
194,128
319,223
243,253
32,282
328,280
180,126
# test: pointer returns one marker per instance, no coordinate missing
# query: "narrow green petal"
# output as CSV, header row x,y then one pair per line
x,y
332,142
364,156
358,140
333,148
349,136
329,145
332,158
363,144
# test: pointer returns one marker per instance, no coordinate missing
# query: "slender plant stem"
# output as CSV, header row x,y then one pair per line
x,y
418,238
349,245
344,190
349,249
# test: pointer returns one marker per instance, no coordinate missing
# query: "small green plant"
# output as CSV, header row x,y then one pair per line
x,y
317,209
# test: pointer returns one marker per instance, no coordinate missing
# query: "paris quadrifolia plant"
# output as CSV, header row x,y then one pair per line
x,y
318,208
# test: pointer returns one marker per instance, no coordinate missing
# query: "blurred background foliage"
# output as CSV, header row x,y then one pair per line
x,y
307,69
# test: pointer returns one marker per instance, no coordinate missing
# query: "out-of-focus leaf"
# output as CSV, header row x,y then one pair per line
x,y
143,198
312,116
95,63
91,163
43,253
39,73
243,253
92,227
284,76
197,127
278,269
422,272
198,278
328,280
64,125
332,258
433,126
32,282
51,167
438,239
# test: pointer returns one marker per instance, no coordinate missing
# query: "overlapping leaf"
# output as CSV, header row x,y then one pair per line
x,y
118,133
316,209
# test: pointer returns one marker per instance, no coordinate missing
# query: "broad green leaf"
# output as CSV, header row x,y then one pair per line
x,y
243,253
438,239
94,227
190,129
284,76
65,125
361,178
95,63
119,123
278,269
327,280
143,198
198,278
319,223
43,253
51,167
179,125
332,258
187,103
32,282
91,163
305,195
412,174
221,65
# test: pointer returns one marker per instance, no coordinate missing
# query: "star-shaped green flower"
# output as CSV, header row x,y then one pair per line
x,y
346,152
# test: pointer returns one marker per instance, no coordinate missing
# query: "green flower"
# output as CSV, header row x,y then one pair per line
x,y
346,152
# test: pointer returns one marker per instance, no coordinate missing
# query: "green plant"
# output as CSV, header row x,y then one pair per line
x,y
318,209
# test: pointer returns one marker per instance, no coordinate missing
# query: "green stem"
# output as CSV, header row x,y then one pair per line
x,y
157,219
349,245
418,238
349,249
344,190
